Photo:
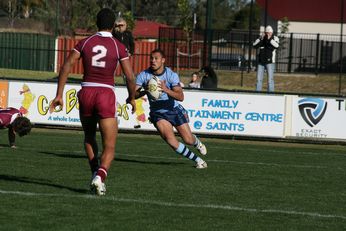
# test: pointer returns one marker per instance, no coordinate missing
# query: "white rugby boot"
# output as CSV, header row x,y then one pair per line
x,y
97,186
202,149
201,164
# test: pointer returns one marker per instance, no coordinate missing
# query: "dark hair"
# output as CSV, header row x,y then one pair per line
x,y
210,74
105,19
158,50
22,126
208,70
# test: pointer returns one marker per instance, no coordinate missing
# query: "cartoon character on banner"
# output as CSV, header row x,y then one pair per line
x,y
140,112
28,99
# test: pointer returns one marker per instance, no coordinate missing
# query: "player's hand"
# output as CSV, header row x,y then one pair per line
x,y
162,86
56,102
133,104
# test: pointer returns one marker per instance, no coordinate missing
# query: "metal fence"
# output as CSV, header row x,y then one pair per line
x,y
232,50
228,50
27,51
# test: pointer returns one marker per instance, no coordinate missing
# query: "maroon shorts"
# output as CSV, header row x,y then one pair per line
x,y
97,101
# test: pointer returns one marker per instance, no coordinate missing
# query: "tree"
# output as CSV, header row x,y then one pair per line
x,y
240,19
223,11
186,18
27,5
11,8
159,11
283,29
129,20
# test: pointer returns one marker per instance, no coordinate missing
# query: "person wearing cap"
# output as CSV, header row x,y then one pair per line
x,y
121,32
267,44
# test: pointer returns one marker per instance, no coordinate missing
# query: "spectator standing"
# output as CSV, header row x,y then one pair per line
x,y
209,79
267,44
194,83
125,36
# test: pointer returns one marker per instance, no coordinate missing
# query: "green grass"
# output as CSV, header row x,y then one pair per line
x,y
247,186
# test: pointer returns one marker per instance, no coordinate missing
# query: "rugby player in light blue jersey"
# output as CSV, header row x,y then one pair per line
x,y
166,112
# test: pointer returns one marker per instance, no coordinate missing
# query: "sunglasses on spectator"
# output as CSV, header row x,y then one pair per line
x,y
120,25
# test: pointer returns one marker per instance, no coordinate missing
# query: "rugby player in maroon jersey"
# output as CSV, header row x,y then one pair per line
x,y
13,119
100,54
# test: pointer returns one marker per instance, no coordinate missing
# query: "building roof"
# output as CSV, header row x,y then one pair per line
x,y
305,10
147,29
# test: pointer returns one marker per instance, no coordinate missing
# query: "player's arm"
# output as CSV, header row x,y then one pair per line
x,y
62,79
140,92
176,92
130,82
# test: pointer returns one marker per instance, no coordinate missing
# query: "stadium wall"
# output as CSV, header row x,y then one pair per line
x,y
223,113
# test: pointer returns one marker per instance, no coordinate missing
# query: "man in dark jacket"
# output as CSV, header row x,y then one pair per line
x,y
121,33
267,44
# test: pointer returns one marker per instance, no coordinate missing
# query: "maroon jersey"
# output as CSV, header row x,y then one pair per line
x,y
101,54
7,116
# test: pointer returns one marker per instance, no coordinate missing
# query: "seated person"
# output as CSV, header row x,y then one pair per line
x,y
16,123
194,83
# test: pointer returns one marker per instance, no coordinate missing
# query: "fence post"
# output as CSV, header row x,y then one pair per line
x,y
290,56
241,61
178,61
317,53
300,68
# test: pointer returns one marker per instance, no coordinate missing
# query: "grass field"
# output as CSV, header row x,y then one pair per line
x,y
247,186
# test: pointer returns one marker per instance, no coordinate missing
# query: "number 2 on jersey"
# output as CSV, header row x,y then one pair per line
x,y
101,52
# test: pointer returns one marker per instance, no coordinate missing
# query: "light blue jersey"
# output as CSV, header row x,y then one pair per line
x,y
164,103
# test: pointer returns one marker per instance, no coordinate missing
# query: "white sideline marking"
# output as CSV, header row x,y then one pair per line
x,y
170,204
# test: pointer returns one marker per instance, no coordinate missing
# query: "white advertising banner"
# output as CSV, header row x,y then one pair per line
x,y
33,99
221,113
235,113
319,118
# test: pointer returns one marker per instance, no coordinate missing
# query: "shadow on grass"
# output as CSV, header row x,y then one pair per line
x,y
40,182
146,162
65,155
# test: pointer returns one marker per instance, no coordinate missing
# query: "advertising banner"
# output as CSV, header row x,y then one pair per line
x,y
235,113
318,118
3,94
33,100
221,113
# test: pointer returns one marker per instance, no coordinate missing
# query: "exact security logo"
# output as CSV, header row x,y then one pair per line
x,y
312,110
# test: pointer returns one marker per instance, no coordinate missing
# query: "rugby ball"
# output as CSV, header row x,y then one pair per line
x,y
154,88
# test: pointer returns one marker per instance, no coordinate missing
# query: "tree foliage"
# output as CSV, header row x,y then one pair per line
x,y
65,16
241,17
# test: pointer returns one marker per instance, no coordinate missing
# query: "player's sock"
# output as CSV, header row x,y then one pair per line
x,y
183,150
94,165
197,142
102,172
